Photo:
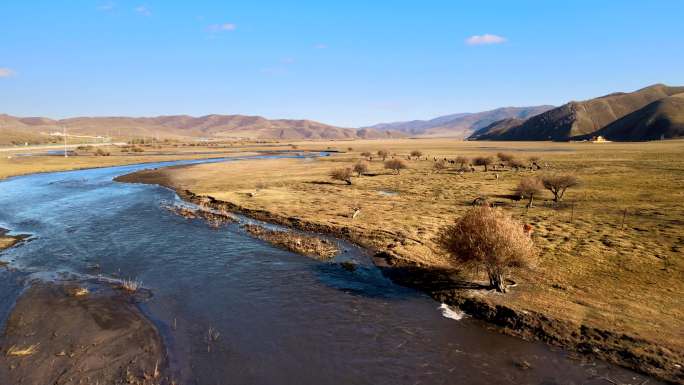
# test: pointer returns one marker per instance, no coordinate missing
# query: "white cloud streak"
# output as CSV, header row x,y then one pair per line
x,y
224,27
485,39
143,10
6,72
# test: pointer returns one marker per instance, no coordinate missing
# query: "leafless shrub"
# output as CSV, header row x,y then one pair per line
x,y
361,167
462,161
101,152
383,154
485,161
137,149
130,285
529,187
416,154
343,174
489,238
439,165
516,164
557,184
366,155
534,159
396,164
505,157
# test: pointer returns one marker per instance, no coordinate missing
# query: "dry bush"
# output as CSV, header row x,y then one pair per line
x,y
529,187
534,159
485,161
383,154
396,164
462,161
505,157
439,165
361,167
366,155
517,164
557,184
101,152
489,238
343,174
416,154
137,149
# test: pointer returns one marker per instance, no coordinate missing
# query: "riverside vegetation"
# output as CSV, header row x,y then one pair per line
x,y
607,224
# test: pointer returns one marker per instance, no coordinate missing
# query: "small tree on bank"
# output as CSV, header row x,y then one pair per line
x,y
383,154
361,167
342,174
489,238
557,184
396,165
439,165
505,157
528,188
416,154
485,161
462,161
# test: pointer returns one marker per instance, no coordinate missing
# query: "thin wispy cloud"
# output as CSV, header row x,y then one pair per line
x,y
320,46
485,39
106,7
287,60
143,10
6,72
223,27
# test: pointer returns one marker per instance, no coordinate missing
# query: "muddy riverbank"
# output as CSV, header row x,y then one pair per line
x,y
63,334
622,349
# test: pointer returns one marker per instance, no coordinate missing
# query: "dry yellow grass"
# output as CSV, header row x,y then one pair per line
x,y
15,351
595,268
13,163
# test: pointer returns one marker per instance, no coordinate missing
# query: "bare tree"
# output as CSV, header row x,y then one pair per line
x,y
489,238
462,161
557,184
416,154
342,174
439,165
396,164
485,161
361,167
505,157
383,154
516,164
529,187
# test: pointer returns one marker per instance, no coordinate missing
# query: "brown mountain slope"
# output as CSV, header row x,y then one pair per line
x,y
184,126
663,119
586,117
460,125
495,129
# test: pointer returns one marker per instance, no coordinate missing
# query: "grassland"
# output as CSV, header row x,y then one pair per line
x,y
15,162
610,255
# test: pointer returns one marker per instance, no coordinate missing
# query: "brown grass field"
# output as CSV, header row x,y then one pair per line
x,y
610,255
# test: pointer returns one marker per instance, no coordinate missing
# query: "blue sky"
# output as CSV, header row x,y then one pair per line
x,y
348,63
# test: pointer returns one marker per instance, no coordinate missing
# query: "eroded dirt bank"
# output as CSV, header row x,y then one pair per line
x,y
56,335
444,286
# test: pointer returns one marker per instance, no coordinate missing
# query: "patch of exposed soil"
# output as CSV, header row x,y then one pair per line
x,y
58,334
310,246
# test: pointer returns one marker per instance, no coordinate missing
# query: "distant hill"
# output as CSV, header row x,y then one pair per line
x,y
661,119
586,118
459,125
497,128
183,126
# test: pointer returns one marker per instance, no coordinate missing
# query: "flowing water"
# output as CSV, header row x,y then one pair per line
x,y
281,318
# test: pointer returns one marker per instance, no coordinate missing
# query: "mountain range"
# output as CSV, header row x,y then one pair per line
x,y
459,125
649,113
14,130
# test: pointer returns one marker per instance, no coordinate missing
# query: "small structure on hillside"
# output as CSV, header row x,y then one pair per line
x,y
599,139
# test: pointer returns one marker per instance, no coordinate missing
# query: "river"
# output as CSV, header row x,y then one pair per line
x,y
282,318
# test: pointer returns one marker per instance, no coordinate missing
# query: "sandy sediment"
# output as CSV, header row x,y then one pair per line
x,y
58,334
